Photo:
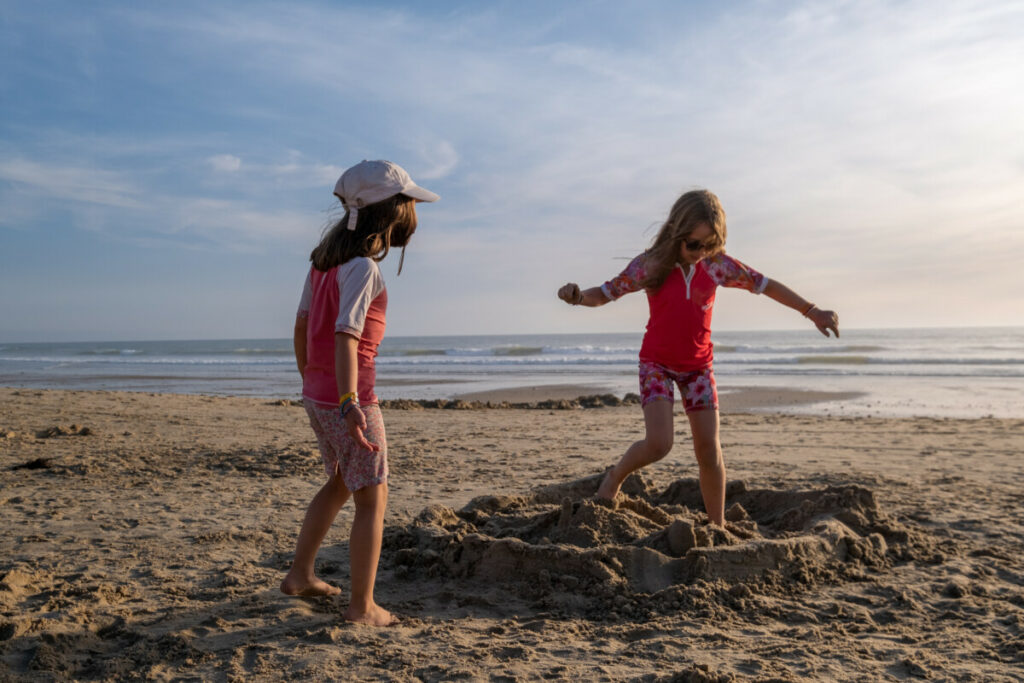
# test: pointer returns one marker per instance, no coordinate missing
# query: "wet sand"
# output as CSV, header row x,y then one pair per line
x,y
144,536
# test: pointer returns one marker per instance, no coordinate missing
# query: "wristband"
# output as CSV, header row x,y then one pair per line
x,y
347,397
810,307
347,407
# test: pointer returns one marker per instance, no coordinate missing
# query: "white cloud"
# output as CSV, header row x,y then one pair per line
x,y
442,158
224,163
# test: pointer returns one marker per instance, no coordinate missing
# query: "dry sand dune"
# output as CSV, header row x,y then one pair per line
x,y
144,537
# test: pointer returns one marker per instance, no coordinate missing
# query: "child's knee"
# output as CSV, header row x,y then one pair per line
x,y
658,446
709,455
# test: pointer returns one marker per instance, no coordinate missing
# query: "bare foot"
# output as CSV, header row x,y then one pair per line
x,y
375,616
307,588
606,491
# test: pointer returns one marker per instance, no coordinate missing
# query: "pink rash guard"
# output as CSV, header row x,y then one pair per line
x,y
678,333
348,298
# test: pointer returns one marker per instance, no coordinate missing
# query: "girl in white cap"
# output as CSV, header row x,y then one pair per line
x,y
680,273
340,324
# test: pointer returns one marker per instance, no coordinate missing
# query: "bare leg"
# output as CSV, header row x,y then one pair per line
x,y
324,507
708,449
653,447
364,553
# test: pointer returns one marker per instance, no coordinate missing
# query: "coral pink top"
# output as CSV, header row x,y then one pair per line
x,y
350,299
678,333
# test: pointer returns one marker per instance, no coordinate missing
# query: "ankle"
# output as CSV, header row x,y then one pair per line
x,y
301,573
361,605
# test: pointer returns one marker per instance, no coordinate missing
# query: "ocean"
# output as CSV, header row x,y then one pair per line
x,y
954,372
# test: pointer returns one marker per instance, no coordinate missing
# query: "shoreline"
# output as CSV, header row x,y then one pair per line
x,y
741,399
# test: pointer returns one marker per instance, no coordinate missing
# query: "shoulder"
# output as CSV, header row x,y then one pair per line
x,y
725,270
361,274
361,267
720,263
720,267
721,258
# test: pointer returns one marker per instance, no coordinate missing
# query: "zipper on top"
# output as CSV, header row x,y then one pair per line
x,y
687,278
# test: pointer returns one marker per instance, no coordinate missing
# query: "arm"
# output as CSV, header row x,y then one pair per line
x,y
571,294
346,374
299,343
629,280
823,320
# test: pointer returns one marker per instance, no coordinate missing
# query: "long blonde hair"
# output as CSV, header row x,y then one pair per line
x,y
688,213
379,226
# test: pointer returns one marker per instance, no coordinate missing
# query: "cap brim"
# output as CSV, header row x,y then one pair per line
x,y
419,194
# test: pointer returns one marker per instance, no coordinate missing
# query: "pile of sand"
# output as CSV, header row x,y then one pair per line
x,y
653,548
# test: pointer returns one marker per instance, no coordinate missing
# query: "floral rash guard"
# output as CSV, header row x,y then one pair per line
x,y
678,335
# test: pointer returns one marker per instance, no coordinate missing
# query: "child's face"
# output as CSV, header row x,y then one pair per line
x,y
703,234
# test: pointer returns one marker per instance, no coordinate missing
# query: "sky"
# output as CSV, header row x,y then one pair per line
x,y
166,168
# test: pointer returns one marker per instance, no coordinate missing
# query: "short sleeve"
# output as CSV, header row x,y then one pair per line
x,y
359,283
728,272
307,297
629,280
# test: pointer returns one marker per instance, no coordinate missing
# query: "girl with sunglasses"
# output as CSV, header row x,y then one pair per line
x,y
680,273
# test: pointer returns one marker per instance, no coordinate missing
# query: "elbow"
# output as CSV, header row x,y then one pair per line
x,y
344,340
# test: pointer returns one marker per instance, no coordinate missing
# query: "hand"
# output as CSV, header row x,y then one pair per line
x,y
356,423
571,294
825,321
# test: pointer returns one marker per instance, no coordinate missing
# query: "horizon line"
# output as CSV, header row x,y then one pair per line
x,y
519,334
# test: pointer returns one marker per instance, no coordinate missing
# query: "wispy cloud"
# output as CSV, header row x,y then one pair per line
x,y
112,203
302,170
74,183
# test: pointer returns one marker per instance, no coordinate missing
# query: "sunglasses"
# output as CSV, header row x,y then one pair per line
x,y
700,245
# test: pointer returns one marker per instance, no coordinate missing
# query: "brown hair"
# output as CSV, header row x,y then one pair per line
x,y
688,213
379,226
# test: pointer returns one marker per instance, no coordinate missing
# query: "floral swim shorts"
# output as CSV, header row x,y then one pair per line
x,y
357,466
697,388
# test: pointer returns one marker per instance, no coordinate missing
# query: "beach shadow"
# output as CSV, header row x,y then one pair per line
x,y
243,636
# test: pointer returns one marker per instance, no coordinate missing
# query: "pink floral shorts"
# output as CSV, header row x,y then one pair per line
x,y
357,466
697,388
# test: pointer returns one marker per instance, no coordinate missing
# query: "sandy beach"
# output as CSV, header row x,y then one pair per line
x,y
144,537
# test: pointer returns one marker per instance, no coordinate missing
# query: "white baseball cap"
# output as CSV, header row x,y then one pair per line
x,y
369,182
